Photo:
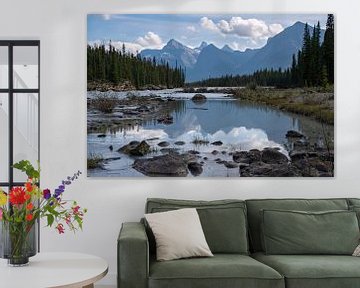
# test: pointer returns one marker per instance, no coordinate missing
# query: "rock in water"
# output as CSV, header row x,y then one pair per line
x,y
217,143
195,168
231,164
248,157
163,144
135,148
165,165
199,98
294,134
273,156
180,143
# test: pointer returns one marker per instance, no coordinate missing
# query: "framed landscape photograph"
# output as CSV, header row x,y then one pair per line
x,y
216,95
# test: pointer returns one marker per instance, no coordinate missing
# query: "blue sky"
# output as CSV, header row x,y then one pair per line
x,y
239,31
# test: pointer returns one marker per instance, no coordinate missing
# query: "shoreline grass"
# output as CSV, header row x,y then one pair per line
x,y
315,103
94,161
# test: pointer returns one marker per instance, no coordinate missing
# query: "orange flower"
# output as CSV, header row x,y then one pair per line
x,y
29,186
29,206
29,217
27,196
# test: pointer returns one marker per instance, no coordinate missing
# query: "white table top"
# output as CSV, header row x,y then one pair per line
x,y
45,270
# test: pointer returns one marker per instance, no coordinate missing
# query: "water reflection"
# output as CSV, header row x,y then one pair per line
x,y
237,124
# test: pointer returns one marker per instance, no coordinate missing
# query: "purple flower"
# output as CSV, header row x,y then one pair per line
x,y
64,183
46,194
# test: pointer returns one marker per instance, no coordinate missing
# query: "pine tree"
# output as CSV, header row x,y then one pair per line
x,y
306,56
328,48
105,63
316,56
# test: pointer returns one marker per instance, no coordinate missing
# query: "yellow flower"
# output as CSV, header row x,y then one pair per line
x,y
3,198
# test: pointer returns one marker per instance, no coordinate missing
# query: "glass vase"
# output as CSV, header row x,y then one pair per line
x,y
18,242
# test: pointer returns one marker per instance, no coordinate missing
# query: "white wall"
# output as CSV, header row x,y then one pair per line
x,y
61,27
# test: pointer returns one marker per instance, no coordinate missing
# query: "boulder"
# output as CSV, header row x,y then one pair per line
x,y
199,98
243,165
195,168
231,164
134,148
179,143
217,143
273,156
187,157
172,165
248,157
163,144
297,155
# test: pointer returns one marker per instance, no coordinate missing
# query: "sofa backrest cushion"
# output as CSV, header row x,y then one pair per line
x,y
255,206
353,202
297,232
354,205
223,221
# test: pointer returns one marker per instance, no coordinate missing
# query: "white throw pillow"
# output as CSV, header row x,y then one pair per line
x,y
178,234
357,251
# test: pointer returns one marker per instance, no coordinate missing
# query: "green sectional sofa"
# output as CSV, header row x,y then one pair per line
x,y
238,234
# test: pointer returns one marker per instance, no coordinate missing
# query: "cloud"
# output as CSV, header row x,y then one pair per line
x,y
276,28
247,28
191,28
150,40
208,24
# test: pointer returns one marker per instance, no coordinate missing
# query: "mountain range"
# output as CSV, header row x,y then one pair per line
x,y
208,61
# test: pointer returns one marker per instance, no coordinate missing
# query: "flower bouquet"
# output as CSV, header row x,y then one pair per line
x,y
21,208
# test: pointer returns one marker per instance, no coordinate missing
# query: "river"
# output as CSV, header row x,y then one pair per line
x,y
237,124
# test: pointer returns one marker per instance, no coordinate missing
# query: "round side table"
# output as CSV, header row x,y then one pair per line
x,y
54,270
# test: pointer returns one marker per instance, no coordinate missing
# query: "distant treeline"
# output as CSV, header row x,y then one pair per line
x,y
107,64
312,66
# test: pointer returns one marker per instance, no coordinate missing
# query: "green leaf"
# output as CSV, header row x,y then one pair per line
x,y
50,219
26,167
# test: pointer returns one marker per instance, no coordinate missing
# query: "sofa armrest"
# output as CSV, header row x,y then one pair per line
x,y
133,256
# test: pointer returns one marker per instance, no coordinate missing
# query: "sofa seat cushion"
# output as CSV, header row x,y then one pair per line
x,y
222,270
313,271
